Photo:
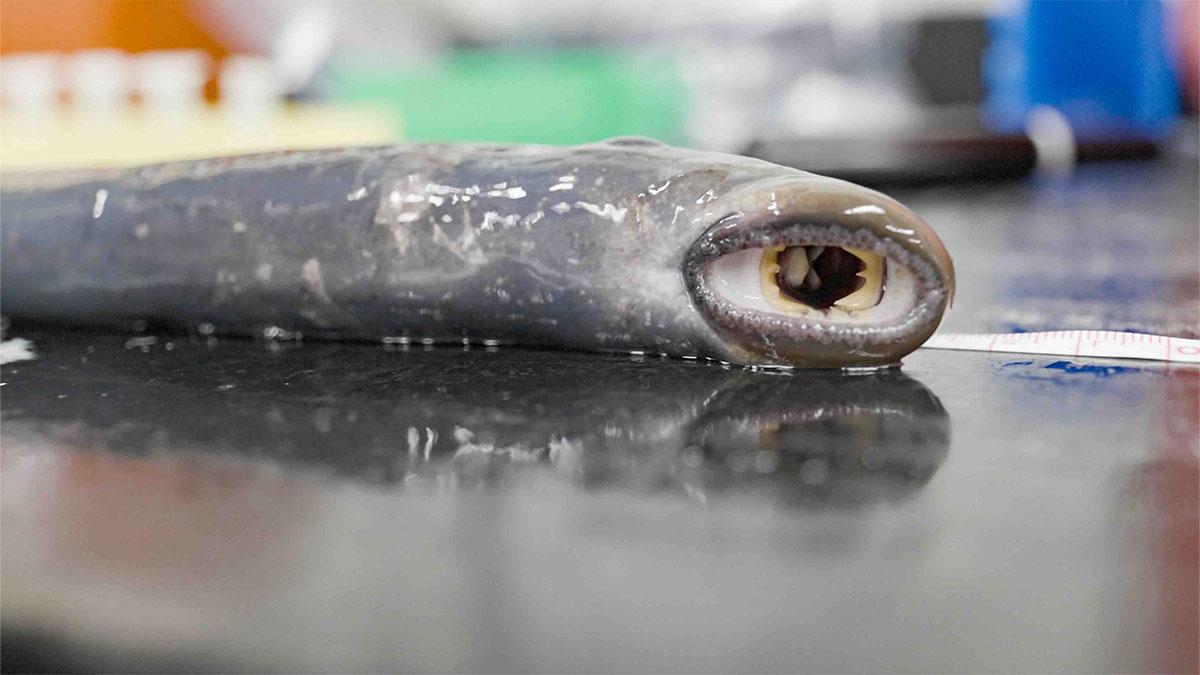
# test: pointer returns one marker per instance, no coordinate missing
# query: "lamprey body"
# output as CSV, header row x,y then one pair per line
x,y
625,245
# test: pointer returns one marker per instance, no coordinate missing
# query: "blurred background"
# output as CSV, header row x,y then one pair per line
x,y
179,503
879,92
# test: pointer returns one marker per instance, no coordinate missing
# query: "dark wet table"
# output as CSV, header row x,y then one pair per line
x,y
175,502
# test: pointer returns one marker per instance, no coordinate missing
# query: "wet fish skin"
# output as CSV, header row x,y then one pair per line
x,y
593,247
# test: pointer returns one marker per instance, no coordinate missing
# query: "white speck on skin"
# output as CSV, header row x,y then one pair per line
x,y
98,205
141,230
492,218
414,440
430,438
278,333
502,190
564,183
141,342
532,218
16,349
264,272
311,273
357,194
561,207
238,226
607,211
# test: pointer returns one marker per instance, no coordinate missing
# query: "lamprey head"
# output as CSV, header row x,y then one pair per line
x,y
817,272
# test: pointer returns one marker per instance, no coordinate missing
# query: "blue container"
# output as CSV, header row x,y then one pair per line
x,y
1104,64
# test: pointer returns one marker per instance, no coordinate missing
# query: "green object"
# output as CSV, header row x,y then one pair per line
x,y
553,97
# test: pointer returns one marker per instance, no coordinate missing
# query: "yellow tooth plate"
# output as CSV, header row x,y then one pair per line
x,y
768,271
872,291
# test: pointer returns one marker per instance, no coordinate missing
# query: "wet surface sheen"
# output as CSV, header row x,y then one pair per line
x,y
172,502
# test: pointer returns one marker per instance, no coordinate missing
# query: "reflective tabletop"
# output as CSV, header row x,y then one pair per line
x,y
182,503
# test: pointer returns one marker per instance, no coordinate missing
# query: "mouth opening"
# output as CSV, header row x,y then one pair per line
x,y
821,277
814,294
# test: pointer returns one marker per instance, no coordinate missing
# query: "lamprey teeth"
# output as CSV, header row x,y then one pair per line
x,y
773,261
850,279
871,291
811,281
794,265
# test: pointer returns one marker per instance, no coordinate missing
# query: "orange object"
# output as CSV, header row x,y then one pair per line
x,y
129,25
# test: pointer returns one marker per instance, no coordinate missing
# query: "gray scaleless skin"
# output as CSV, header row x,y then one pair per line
x,y
593,247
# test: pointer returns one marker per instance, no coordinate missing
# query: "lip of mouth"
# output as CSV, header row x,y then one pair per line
x,y
776,334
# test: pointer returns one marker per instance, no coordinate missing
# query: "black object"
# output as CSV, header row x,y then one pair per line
x,y
925,157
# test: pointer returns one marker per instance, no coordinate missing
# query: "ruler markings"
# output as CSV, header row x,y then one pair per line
x,y
1082,343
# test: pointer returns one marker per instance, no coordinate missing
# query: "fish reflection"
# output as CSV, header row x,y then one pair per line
x,y
828,440
813,439
445,419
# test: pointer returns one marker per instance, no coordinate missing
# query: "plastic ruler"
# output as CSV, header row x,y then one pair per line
x,y
1096,343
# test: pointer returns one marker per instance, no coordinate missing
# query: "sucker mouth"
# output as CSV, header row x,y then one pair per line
x,y
814,272
752,284
814,276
